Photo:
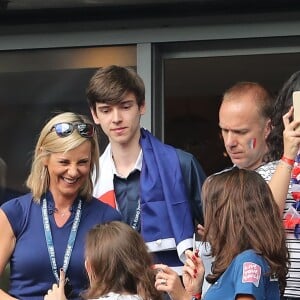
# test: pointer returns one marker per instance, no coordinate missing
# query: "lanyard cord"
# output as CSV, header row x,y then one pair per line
x,y
137,216
49,240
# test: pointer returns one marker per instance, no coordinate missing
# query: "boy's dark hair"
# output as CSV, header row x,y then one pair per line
x,y
110,85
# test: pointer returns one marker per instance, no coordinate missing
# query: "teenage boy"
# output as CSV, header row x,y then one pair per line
x,y
155,187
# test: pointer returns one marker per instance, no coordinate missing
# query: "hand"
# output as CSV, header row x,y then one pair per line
x,y
193,273
57,292
291,136
167,280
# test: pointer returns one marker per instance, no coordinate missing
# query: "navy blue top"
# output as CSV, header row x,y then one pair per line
x,y
127,190
31,272
248,274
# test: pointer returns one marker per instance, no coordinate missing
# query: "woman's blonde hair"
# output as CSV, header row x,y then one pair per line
x,y
49,142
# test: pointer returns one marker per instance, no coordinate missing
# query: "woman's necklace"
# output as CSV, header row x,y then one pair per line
x,y
62,213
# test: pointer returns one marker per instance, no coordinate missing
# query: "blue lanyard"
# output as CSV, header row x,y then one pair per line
x,y
136,218
49,239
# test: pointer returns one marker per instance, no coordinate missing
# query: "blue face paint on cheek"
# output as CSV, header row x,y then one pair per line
x,y
252,143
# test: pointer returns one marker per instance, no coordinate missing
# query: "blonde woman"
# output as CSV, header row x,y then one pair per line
x,y
44,230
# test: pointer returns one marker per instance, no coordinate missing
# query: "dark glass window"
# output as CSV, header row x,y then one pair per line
x,y
194,89
36,84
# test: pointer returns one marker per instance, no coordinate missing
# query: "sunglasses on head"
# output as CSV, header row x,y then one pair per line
x,y
65,129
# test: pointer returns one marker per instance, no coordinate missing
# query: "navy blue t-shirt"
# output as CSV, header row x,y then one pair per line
x,y
31,271
248,274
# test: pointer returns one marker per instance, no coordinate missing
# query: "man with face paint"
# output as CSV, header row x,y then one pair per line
x,y
245,122
244,119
